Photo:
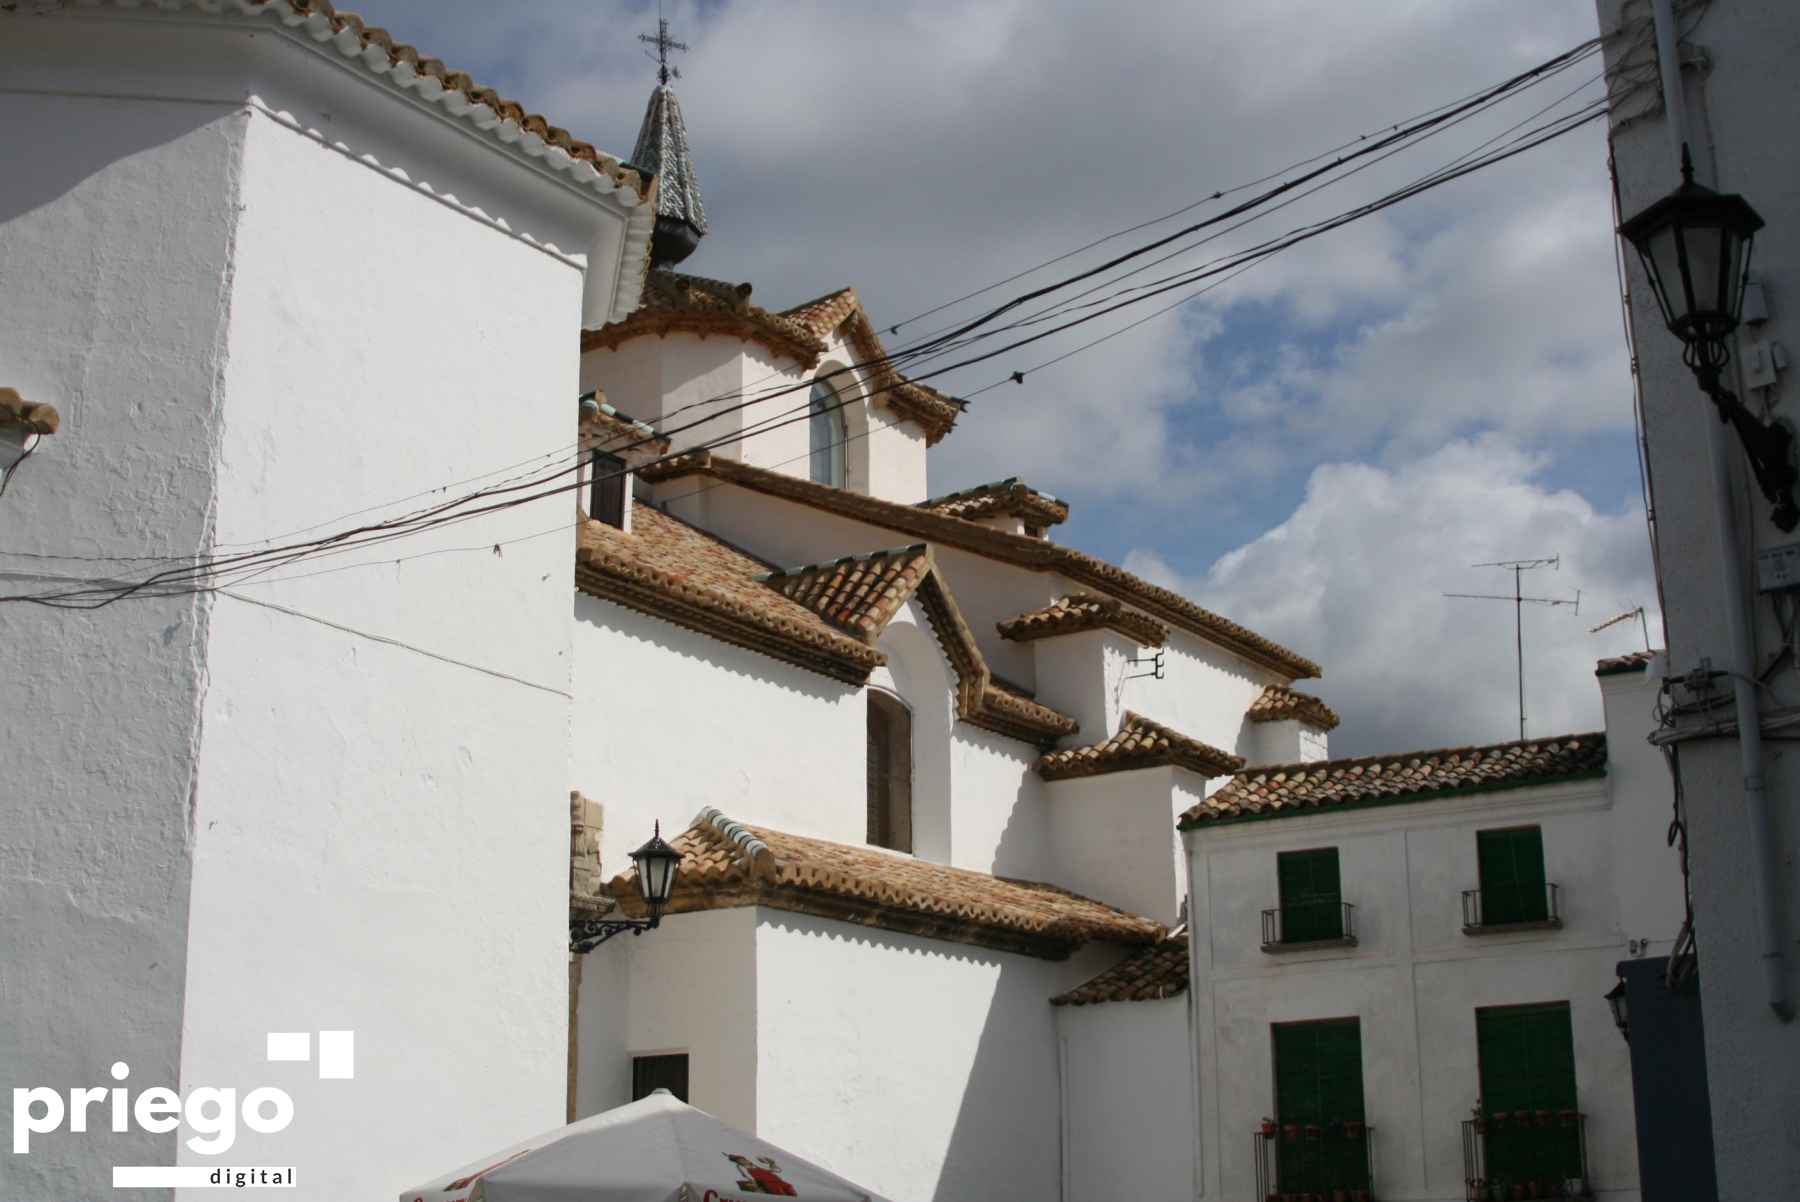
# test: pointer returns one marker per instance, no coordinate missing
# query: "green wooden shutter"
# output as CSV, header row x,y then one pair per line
x,y
1311,901
1528,1065
1318,1084
1512,875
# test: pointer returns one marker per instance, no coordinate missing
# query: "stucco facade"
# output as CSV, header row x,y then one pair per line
x,y
290,804
1736,72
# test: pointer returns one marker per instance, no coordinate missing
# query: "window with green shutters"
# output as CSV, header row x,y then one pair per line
x,y
1512,876
1311,900
1319,1090
1528,1092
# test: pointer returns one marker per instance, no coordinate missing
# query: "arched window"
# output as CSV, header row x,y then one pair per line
x,y
890,772
827,435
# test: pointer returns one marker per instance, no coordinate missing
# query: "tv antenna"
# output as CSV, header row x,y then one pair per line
x,y
1518,567
1629,614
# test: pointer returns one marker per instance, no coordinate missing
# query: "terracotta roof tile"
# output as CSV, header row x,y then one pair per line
x,y
1148,974
1016,549
1278,702
1407,776
677,572
727,864
35,416
1140,743
857,594
1634,661
607,429
1009,497
1083,611
675,303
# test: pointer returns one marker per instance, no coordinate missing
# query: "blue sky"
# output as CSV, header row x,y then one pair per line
x,y
1318,448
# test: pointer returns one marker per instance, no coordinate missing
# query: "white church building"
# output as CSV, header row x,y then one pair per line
x,y
1006,873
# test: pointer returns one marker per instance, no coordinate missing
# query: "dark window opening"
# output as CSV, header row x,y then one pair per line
x,y
606,489
890,773
651,1073
1512,876
1311,900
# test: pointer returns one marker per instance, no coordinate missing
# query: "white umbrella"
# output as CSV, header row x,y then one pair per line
x,y
657,1149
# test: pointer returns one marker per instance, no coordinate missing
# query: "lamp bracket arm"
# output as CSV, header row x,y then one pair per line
x,y
1769,446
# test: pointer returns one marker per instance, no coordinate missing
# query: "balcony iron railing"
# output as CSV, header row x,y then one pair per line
x,y
1309,924
1510,1156
1489,912
1326,1162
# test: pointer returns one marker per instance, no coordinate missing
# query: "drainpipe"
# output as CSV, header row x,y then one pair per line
x,y
1731,571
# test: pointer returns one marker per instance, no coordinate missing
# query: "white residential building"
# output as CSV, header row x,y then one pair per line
x,y
1378,946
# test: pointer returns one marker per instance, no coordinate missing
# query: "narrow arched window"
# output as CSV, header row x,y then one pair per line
x,y
890,772
827,435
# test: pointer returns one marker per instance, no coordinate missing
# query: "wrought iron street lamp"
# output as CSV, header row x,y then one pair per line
x,y
1695,247
1621,1015
656,863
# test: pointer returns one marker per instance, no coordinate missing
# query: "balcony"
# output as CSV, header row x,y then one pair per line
x,y
1510,1156
1504,912
1315,1162
1308,925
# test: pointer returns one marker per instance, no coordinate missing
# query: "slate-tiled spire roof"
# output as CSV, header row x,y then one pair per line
x,y
662,150
1285,789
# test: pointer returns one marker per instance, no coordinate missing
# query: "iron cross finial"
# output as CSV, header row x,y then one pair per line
x,y
663,43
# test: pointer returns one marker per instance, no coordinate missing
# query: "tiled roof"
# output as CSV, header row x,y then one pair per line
x,y
1635,661
1140,743
662,150
610,430
857,594
1016,549
934,411
727,864
825,618
676,572
35,416
1279,702
452,92
1408,776
1148,974
675,303
1083,611
1010,497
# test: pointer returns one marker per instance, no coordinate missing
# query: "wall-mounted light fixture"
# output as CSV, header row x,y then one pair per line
x,y
1695,247
656,863
23,425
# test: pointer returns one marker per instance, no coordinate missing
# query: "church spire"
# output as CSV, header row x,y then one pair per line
x,y
662,150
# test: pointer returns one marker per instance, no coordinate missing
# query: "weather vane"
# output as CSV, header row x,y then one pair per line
x,y
663,43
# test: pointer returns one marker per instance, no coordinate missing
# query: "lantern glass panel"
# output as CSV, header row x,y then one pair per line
x,y
1662,259
1706,269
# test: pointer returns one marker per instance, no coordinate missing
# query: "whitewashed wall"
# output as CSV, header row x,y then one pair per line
x,y
708,724
923,1069
383,781
1651,910
1740,87
116,223
1128,1079
1112,838
1415,979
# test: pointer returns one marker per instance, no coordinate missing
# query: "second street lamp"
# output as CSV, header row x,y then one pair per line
x,y
656,863
1695,247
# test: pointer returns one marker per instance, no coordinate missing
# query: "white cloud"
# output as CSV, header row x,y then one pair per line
x,y
1355,577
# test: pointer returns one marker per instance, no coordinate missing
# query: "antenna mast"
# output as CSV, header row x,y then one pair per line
x,y
1519,567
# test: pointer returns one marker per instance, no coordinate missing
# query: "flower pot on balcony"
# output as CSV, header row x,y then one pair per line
x,y
1268,1128
1291,1132
1518,1192
1353,1128
1575,1187
1568,1117
1533,1189
1314,1132
1340,1195
1543,1118
1498,1118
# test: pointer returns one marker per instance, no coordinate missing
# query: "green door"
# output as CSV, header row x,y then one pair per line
x,y
1311,902
1527,1082
1512,875
1319,1088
